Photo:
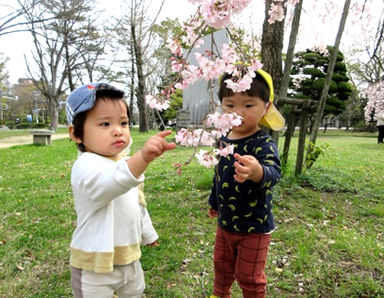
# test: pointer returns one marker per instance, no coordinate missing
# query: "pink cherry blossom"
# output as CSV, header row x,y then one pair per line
x,y
229,54
210,68
194,138
175,48
375,103
176,66
218,13
206,159
223,122
240,85
155,103
225,151
256,65
276,13
190,37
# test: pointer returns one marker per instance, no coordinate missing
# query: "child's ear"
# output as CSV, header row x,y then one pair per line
x,y
71,130
266,108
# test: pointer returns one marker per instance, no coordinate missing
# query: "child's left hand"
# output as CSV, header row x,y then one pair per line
x,y
153,244
247,167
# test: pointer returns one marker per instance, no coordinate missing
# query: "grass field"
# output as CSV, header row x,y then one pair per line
x,y
329,240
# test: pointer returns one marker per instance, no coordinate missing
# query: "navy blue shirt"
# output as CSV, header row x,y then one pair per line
x,y
246,207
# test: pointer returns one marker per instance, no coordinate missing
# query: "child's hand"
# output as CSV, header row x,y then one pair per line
x,y
247,167
156,145
153,244
212,213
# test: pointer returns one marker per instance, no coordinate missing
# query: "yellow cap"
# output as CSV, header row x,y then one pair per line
x,y
272,117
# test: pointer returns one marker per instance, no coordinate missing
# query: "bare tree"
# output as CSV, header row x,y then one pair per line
x,y
51,74
139,63
137,37
14,21
58,45
371,70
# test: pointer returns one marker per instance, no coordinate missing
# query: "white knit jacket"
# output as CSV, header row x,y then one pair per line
x,y
111,222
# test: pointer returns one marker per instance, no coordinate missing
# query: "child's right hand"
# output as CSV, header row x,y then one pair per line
x,y
156,145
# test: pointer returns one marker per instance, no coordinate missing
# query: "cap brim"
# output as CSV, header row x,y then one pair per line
x,y
272,118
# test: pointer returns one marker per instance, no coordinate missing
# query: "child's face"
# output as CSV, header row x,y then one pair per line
x,y
251,108
106,128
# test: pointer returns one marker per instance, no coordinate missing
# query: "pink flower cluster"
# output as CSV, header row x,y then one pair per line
x,y
242,82
224,151
276,12
223,122
210,67
218,13
206,159
194,138
155,103
375,103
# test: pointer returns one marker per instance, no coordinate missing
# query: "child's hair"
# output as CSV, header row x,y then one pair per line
x,y
258,88
79,120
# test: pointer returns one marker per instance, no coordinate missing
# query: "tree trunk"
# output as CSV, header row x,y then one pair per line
x,y
287,68
132,89
271,51
332,62
53,114
143,124
291,50
272,46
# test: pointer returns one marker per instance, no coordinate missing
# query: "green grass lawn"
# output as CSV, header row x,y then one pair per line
x,y
329,240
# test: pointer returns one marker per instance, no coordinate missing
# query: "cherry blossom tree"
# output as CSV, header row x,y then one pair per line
x,y
375,103
210,16
213,15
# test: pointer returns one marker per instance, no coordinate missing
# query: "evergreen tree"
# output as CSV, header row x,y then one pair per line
x,y
308,78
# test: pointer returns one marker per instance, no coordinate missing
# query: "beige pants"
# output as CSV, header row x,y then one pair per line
x,y
125,281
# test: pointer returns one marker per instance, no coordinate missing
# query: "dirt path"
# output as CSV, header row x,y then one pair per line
x,y
23,140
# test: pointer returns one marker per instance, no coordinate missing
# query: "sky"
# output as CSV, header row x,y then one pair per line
x,y
15,46
313,30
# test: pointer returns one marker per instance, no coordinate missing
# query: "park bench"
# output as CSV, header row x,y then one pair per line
x,y
42,136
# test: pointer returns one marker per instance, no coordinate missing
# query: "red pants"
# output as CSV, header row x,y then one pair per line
x,y
241,257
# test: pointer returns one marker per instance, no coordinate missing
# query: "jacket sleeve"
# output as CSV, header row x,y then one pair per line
x,y
103,182
148,232
212,197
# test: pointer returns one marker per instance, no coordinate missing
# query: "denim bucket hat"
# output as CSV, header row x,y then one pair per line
x,y
83,98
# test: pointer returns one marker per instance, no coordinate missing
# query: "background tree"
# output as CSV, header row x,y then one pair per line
x,y
309,76
24,104
13,21
136,35
57,42
367,64
3,72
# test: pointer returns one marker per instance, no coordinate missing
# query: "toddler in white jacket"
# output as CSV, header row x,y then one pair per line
x,y
112,220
